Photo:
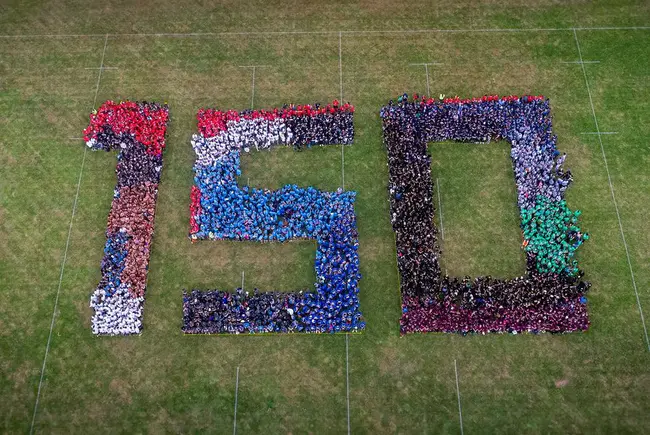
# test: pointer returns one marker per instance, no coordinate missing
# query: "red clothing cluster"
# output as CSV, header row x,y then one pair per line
x,y
212,122
137,130
146,123
195,209
133,210
446,316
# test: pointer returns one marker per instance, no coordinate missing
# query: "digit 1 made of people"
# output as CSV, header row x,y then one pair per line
x,y
137,130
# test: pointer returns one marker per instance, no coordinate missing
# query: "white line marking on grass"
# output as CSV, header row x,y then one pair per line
x,y
342,167
75,138
65,256
442,226
600,132
253,67
242,280
101,69
341,102
611,189
582,62
56,300
234,420
104,67
426,71
492,30
324,32
341,65
347,376
253,90
460,410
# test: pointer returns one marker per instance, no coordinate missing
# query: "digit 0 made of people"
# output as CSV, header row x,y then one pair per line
x,y
550,297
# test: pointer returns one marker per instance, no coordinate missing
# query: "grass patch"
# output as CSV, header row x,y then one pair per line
x,y
163,381
479,210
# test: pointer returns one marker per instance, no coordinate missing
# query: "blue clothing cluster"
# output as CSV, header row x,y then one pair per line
x,y
230,212
112,264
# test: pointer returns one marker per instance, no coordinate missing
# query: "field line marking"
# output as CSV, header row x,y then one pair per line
x,y
611,189
341,65
101,69
242,280
65,257
600,132
327,32
442,226
347,376
234,420
343,166
56,300
494,30
460,410
581,62
426,71
341,102
253,67
253,90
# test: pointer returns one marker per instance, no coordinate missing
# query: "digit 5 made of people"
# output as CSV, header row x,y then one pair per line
x,y
550,296
222,210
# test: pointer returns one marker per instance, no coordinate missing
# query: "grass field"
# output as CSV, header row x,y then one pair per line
x,y
53,217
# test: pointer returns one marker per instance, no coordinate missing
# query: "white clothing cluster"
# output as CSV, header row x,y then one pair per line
x,y
116,314
256,133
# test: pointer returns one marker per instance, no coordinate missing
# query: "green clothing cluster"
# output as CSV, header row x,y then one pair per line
x,y
551,236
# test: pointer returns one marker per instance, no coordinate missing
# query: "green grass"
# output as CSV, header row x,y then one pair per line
x,y
163,381
480,216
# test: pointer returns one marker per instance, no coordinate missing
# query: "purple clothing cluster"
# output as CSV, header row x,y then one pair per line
x,y
550,297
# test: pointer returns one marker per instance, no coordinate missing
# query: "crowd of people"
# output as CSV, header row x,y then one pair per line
x,y
221,210
298,126
550,297
137,130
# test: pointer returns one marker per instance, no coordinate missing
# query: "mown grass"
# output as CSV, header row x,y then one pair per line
x,y
163,381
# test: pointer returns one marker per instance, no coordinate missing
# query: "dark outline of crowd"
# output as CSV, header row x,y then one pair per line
x,y
137,130
550,297
221,210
